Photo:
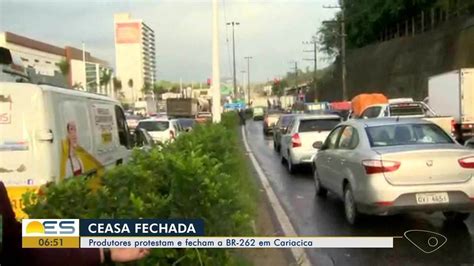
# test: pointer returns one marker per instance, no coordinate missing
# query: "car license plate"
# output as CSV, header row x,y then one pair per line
x,y
432,198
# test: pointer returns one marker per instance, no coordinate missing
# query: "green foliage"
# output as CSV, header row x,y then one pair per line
x,y
64,67
147,88
203,174
278,88
367,19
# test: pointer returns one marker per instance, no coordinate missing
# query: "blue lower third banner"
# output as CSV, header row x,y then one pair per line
x,y
141,227
166,233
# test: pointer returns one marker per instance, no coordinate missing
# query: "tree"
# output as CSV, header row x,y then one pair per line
x,y
105,77
117,84
147,88
278,87
77,86
118,88
64,67
158,89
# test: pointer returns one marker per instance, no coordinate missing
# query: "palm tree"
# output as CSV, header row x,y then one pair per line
x,y
64,67
77,86
130,85
105,77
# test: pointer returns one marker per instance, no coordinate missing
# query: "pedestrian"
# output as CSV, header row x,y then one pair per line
x,y
14,254
242,116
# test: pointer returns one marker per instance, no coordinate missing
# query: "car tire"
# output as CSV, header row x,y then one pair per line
x,y
456,216
320,190
350,208
291,166
282,159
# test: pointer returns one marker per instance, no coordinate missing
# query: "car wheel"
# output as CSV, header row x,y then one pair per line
x,y
291,166
282,159
456,216
320,190
350,209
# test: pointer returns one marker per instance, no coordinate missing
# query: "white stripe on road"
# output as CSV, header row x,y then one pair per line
x,y
298,253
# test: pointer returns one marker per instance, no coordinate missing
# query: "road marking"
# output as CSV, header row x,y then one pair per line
x,y
298,254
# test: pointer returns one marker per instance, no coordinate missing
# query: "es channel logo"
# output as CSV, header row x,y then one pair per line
x,y
50,227
426,241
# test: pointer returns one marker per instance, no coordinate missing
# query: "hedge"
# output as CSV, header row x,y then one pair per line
x,y
203,174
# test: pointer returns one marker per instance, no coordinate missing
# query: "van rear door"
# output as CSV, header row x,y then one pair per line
x,y
23,156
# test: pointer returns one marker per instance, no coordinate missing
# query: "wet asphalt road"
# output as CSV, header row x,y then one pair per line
x,y
313,216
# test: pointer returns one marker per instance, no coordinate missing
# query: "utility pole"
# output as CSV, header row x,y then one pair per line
x,y
295,68
85,67
342,23
243,82
233,23
314,42
248,78
216,90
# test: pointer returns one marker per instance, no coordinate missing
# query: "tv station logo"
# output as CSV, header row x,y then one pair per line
x,y
50,233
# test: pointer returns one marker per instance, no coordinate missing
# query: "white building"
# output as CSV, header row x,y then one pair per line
x,y
134,55
46,58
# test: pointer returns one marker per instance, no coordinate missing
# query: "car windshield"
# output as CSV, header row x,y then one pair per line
x,y
285,120
406,109
308,125
185,123
154,125
406,134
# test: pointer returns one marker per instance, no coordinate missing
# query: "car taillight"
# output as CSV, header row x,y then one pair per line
x,y
379,166
468,126
467,162
295,140
453,126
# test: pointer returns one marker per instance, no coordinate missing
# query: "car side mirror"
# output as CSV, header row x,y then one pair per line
x,y
318,145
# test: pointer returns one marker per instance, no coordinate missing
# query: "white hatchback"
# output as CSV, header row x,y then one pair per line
x,y
296,143
161,130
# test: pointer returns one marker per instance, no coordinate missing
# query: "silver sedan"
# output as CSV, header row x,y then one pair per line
x,y
388,166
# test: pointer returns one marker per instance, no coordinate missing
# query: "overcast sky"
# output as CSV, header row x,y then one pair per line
x,y
271,31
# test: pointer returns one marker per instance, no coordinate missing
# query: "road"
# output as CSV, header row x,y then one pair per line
x,y
313,216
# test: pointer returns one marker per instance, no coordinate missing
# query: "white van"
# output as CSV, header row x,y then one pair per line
x,y
48,134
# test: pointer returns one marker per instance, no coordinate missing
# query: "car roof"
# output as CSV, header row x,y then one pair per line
x,y
316,116
156,120
373,122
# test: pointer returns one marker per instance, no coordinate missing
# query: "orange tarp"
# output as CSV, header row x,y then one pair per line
x,y
362,101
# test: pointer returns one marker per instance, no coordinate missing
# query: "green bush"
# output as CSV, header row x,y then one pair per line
x,y
203,174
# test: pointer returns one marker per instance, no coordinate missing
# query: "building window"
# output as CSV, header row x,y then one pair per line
x,y
36,61
47,62
24,59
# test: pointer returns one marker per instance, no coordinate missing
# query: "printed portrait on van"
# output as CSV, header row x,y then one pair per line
x,y
75,159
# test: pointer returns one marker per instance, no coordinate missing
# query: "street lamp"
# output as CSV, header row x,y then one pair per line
x,y
233,23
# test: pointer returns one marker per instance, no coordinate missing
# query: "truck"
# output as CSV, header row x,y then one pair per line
x,y
377,106
182,107
287,101
452,94
145,106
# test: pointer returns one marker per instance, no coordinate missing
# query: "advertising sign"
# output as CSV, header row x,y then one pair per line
x,y
127,32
